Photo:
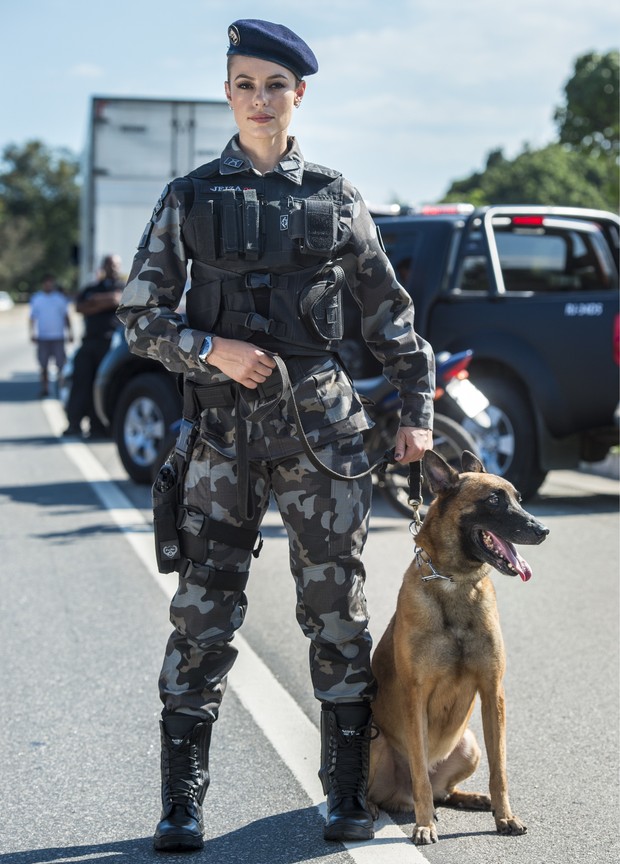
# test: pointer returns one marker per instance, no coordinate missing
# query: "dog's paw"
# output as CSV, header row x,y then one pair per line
x,y
460,800
424,835
511,825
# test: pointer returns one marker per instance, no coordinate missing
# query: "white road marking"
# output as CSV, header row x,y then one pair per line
x,y
92,857
294,737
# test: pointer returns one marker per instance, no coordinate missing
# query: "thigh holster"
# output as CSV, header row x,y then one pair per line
x,y
195,530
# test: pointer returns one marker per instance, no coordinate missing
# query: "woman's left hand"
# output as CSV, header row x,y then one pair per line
x,y
412,443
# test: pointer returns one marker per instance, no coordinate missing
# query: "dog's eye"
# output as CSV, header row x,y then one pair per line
x,y
493,500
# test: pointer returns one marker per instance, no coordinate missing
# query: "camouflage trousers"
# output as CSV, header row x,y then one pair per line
x,y
327,523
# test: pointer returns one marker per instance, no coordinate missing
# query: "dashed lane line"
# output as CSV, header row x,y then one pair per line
x,y
293,736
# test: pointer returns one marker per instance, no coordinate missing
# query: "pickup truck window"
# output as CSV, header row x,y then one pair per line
x,y
559,258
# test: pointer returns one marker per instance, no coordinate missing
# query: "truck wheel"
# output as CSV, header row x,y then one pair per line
x,y
449,440
508,448
146,409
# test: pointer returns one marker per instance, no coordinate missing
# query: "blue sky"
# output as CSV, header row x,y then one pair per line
x,y
410,95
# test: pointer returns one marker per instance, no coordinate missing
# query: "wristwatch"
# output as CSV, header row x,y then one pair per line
x,y
207,348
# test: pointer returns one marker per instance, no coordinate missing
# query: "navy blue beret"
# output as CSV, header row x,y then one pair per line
x,y
273,42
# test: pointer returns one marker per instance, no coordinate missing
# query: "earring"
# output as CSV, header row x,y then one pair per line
x,y
297,103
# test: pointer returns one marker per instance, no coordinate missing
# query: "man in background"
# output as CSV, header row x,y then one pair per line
x,y
97,303
50,328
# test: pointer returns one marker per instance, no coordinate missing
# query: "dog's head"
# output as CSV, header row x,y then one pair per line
x,y
482,515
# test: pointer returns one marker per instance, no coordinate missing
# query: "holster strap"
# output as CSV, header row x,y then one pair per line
x,y
216,580
221,532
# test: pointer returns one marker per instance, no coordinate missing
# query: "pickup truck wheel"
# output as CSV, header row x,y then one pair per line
x,y
449,440
509,447
146,409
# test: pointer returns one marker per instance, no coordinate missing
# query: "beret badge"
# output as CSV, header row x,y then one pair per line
x,y
233,35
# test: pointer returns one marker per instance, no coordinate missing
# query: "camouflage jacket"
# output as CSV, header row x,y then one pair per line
x,y
330,408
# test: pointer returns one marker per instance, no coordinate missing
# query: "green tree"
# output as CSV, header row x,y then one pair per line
x,y
590,118
39,202
553,176
579,170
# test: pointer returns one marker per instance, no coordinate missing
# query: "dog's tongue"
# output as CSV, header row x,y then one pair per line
x,y
520,564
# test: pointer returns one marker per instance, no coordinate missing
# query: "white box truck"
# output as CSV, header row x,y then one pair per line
x,y
134,147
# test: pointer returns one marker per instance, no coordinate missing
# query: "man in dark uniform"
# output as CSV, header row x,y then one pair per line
x,y
273,241
97,303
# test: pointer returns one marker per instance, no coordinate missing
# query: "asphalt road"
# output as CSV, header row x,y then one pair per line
x,y
83,627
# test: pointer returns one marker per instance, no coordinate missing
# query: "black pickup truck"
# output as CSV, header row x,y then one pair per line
x,y
532,290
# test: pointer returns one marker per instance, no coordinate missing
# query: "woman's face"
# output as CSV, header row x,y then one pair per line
x,y
263,96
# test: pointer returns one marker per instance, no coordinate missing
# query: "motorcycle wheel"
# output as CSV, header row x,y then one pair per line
x,y
449,440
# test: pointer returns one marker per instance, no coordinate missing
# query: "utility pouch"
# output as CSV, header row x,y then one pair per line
x,y
320,305
312,224
165,505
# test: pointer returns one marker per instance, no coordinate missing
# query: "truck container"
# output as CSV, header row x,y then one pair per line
x,y
134,147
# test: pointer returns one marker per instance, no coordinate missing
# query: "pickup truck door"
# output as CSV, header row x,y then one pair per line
x,y
554,274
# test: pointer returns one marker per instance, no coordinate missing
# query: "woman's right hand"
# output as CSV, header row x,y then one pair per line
x,y
242,361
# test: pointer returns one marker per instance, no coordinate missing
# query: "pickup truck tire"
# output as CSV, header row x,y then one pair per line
x,y
509,447
449,440
146,409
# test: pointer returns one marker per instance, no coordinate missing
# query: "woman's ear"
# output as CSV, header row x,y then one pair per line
x,y
299,92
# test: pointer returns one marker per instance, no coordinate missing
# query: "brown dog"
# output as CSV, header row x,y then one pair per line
x,y
443,646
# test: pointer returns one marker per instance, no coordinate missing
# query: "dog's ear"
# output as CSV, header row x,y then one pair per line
x,y
470,462
439,475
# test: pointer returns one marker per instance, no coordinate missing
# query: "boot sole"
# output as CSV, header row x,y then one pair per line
x,y
353,833
177,844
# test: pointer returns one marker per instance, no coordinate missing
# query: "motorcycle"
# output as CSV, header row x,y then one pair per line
x,y
456,398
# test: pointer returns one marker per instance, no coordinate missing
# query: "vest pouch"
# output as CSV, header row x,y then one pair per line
x,y
202,230
312,223
320,306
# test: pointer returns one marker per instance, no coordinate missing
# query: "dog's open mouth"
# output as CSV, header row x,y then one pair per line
x,y
504,557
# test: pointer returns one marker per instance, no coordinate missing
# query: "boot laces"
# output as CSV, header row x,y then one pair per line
x,y
349,758
183,773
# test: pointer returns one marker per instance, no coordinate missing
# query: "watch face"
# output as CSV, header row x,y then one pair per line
x,y
207,345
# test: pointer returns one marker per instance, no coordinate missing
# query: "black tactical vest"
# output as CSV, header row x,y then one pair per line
x,y
265,258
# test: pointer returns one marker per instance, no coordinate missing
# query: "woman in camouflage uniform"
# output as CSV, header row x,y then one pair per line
x,y
272,240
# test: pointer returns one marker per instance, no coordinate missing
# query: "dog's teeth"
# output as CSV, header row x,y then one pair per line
x,y
488,541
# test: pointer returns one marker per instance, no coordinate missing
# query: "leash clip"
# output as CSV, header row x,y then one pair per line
x,y
416,522
415,495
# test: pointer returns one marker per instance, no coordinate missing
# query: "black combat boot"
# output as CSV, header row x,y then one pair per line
x,y
346,731
184,782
